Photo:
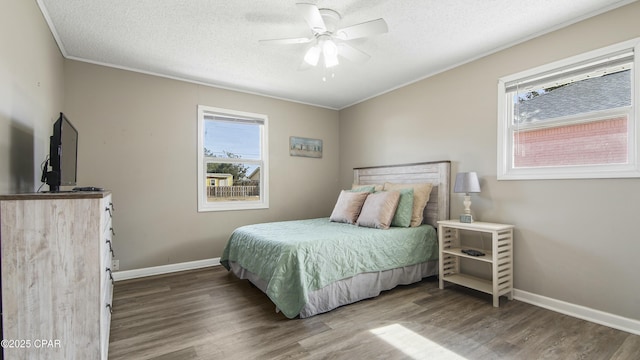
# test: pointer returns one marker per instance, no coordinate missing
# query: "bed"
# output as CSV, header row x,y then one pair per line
x,y
307,267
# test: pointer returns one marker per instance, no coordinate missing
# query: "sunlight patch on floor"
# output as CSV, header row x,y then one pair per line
x,y
414,345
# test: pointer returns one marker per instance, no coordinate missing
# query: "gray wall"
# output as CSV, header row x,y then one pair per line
x,y
31,78
575,240
138,138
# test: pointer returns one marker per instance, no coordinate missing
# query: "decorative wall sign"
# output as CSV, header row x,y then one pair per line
x,y
299,146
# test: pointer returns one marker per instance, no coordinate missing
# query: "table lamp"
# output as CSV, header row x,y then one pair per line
x,y
467,182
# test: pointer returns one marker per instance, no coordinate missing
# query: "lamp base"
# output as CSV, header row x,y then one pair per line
x,y
466,218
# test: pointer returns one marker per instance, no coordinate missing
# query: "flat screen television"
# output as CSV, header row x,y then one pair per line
x,y
63,155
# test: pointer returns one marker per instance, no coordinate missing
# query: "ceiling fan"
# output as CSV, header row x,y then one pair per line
x,y
329,40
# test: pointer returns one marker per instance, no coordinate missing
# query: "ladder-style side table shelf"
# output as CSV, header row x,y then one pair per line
x,y
500,257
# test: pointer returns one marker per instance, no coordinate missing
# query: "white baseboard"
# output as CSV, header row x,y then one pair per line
x,y
580,312
164,269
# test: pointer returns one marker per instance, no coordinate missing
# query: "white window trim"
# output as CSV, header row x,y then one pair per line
x,y
505,171
263,203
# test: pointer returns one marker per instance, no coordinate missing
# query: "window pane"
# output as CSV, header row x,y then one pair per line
x,y
593,143
232,182
227,139
575,118
233,160
571,98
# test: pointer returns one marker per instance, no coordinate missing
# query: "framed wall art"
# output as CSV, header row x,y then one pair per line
x,y
299,146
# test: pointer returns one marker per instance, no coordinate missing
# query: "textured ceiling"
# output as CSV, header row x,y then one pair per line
x,y
215,42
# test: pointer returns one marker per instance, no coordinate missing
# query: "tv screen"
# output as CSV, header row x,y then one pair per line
x,y
63,154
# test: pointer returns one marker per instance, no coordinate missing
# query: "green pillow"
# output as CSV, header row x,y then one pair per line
x,y
402,218
364,188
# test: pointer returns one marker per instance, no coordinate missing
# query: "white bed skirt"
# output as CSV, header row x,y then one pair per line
x,y
347,291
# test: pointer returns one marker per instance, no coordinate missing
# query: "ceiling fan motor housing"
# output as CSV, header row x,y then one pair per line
x,y
331,19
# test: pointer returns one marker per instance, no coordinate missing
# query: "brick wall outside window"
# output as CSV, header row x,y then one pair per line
x,y
598,142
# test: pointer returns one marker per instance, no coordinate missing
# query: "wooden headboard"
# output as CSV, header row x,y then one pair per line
x,y
437,173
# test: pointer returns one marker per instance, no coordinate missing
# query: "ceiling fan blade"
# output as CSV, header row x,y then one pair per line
x,y
311,15
373,27
286,41
304,66
349,52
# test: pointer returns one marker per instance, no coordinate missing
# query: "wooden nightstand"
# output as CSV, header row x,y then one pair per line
x,y
500,257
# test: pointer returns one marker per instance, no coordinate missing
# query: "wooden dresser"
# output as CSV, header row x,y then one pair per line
x,y
56,275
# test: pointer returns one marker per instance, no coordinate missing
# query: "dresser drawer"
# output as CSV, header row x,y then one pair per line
x,y
106,247
106,256
106,307
105,321
107,210
107,297
107,278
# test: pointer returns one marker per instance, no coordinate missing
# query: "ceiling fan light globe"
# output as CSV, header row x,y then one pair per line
x,y
330,52
330,60
312,56
330,48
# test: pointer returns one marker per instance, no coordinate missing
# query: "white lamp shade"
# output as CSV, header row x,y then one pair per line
x,y
467,182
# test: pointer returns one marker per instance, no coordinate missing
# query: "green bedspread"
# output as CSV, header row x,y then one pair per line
x,y
297,257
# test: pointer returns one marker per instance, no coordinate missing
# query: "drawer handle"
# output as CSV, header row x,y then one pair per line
x,y
112,232
113,255
111,276
112,208
110,308
108,209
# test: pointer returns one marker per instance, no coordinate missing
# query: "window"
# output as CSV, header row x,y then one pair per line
x,y
575,118
233,170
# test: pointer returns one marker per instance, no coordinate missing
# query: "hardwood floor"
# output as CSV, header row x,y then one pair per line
x,y
210,314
